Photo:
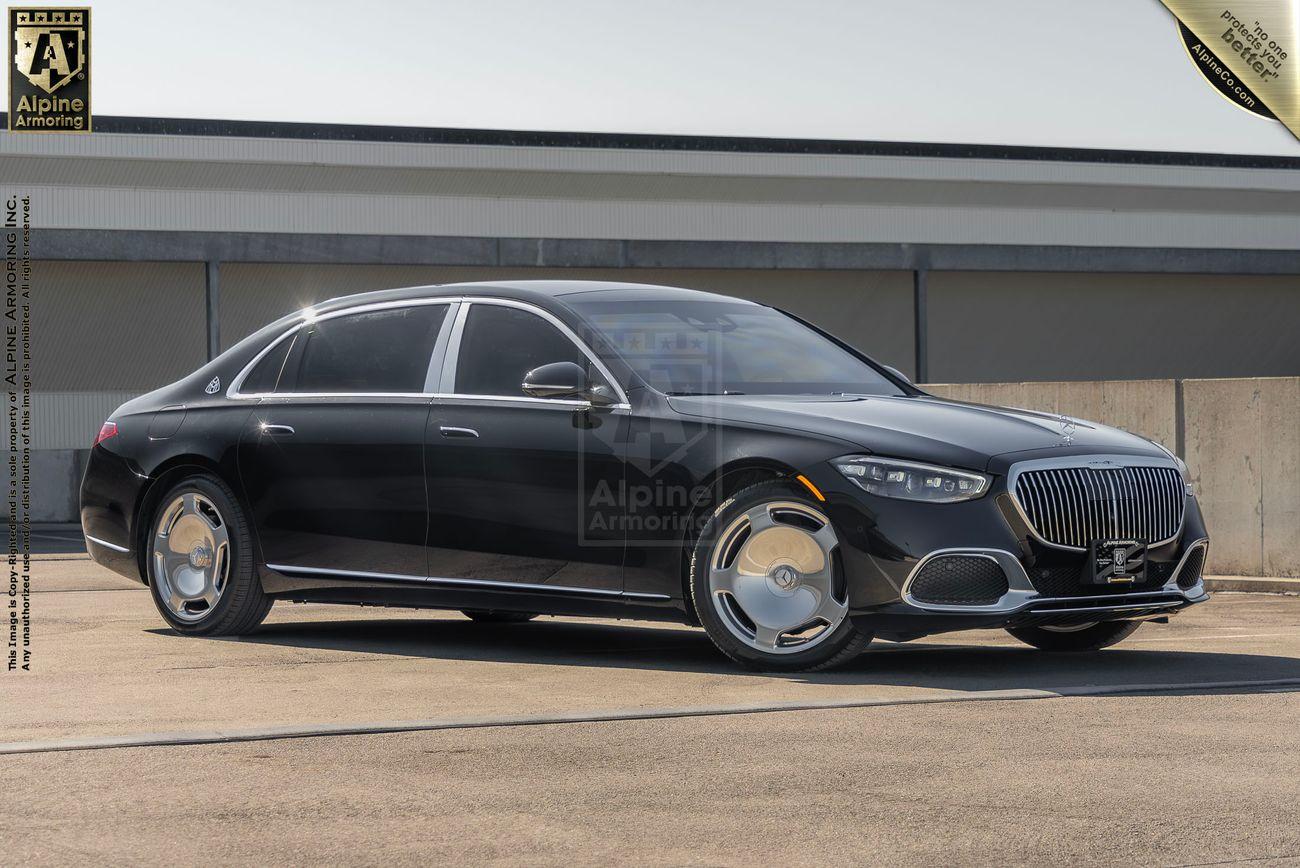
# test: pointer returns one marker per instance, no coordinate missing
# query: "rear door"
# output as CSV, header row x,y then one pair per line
x,y
332,458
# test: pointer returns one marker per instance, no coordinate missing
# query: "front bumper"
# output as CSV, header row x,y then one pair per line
x,y
885,542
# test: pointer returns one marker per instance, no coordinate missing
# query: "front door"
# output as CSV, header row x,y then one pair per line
x,y
522,491
332,459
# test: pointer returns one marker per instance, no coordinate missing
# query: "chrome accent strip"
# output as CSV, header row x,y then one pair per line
x,y
106,544
1172,584
1154,604
482,583
447,384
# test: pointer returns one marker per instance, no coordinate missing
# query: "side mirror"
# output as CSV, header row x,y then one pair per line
x,y
565,380
897,373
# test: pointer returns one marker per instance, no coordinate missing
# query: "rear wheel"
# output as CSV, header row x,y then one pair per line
x,y
1081,637
492,616
201,561
766,585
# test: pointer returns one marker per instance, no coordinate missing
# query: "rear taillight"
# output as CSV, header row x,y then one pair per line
x,y
108,429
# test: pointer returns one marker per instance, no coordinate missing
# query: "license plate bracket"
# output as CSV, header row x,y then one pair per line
x,y
1117,561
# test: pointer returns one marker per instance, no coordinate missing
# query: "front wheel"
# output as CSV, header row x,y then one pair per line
x,y
1083,637
201,561
766,584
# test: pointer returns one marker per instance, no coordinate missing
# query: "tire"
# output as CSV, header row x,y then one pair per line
x,y
492,616
213,527
1090,638
778,577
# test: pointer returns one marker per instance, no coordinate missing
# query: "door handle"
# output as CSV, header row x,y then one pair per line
x,y
268,428
448,431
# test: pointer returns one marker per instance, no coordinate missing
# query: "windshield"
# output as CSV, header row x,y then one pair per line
x,y
689,347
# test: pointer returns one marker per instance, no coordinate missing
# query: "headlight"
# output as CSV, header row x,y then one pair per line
x,y
911,481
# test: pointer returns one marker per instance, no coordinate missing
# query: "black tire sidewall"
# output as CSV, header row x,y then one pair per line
x,y
1094,638
847,640
242,577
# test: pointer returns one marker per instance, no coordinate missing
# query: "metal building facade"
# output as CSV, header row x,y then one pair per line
x,y
160,241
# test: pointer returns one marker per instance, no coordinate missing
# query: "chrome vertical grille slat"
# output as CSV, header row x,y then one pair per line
x,y
1071,506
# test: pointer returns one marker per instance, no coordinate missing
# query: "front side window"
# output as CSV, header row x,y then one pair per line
x,y
374,351
690,347
501,344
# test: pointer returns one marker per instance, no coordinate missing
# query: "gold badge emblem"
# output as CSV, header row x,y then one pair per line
x,y
49,81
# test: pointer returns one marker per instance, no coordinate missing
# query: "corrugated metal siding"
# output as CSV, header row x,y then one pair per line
x,y
70,420
213,183
243,211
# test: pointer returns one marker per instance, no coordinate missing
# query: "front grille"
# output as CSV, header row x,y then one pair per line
x,y
1072,506
1190,574
960,580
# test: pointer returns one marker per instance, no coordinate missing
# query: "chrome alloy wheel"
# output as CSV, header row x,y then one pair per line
x,y
772,578
191,556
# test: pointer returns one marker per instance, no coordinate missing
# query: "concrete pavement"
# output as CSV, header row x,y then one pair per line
x,y
1197,774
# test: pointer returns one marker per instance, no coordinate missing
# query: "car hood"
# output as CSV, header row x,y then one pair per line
x,y
922,427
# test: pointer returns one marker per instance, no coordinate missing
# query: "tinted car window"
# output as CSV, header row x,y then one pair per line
x,y
712,347
376,351
502,344
265,376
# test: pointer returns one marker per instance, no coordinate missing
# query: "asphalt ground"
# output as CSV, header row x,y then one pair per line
x,y
368,736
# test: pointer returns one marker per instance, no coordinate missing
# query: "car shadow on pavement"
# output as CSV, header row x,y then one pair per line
x,y
939,663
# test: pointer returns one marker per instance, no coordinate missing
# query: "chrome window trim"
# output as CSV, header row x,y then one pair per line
x,y
478,583
1086,462
452,328
308,318
458,333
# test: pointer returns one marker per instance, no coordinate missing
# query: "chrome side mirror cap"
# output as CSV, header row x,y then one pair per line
x,y
897,373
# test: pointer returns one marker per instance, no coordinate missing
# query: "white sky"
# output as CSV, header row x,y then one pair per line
x,y
1102,73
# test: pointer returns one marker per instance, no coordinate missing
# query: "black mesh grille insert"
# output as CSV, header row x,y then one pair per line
x,y
969,580
1191,571
1068,581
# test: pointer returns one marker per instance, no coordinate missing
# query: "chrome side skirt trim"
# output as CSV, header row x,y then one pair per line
x,y
487,584
108,545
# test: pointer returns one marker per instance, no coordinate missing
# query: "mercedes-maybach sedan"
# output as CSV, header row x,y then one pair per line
x,y
618,450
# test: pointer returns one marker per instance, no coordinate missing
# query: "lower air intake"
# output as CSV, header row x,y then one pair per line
x,y
1190,574
959,580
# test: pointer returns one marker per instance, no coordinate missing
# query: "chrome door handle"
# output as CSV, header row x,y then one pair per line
x,y
267,428
448,431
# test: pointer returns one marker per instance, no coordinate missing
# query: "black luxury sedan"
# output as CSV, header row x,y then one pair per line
x,y
618,450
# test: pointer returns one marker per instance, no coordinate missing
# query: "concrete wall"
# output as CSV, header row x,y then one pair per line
x,y
1243,445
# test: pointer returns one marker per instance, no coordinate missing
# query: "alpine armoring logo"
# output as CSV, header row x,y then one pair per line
x,y
49,77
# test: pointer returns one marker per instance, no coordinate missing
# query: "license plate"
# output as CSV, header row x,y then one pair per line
x,y
1118,561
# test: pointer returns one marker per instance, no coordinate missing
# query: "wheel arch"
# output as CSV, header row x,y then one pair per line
x,y
712,490
163,477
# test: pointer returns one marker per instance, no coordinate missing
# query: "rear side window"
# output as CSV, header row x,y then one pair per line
x,y
502,344
265,376
376,351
